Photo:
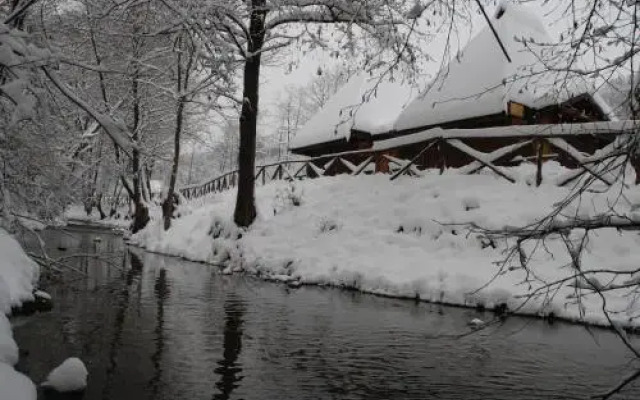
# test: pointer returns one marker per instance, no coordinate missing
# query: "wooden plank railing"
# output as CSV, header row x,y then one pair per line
x,y
382,161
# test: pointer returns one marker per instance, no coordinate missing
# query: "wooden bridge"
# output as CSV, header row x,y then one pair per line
x,y
594,150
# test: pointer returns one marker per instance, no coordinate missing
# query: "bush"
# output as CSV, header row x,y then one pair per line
x,y
286,198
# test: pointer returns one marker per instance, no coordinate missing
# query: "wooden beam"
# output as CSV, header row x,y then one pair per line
x,y
361,167
468,150
413,160
572,152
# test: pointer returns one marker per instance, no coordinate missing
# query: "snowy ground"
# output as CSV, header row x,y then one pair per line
x,y
17,276
394,238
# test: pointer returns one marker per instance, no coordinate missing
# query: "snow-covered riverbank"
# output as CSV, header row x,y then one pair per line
x,y
76,215
18,273
406,238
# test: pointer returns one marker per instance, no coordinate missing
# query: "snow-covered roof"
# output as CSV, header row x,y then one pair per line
x,y
550,130
481,81
364,103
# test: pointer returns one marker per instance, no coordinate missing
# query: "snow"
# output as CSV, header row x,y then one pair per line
x,y
18,273
15,53
70,376
364,103
406,238
14,385
476,323
40,294
76,214
115,128
17,276
157,186
8,347
607,109
481,81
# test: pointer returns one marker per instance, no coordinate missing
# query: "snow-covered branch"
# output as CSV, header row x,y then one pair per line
x,y
117,130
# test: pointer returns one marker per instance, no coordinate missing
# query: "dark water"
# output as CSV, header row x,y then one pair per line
x,y
151,327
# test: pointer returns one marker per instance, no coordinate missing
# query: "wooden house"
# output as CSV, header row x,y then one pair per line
x,y
485,86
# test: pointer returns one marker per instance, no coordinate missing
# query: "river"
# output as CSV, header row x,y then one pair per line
x,y
154,327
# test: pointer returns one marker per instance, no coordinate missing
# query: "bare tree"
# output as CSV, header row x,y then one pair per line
x,y
598,46
260,27
194,76
326,84
35,139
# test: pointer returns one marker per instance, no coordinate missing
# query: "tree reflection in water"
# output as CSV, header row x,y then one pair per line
x,y
229,368
132,276
162,291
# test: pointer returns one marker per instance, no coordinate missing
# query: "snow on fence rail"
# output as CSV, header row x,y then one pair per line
x,y
426,151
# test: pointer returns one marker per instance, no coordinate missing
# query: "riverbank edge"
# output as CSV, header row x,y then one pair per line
x,y
113,224
19,277
499,312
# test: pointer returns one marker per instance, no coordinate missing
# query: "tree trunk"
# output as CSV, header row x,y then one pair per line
x,y
115,199
99,206
88,206
245,211
148,172
169,204
141,212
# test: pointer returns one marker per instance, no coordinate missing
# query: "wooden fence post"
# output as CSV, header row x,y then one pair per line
x,y
540,148
441,160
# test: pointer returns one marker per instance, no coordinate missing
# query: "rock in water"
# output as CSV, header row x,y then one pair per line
x,y
41,294
70,376
294,284
476,323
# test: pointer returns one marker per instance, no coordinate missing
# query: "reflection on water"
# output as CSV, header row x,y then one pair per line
x,y
229,369
150,327
161,290
132,275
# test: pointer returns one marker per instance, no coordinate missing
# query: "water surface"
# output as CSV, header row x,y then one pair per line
x,y
153,327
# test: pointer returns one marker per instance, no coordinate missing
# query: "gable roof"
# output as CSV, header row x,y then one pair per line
x,y
481,81
364,103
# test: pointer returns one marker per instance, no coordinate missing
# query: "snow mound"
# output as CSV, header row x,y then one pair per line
x,y
476,323
14,385
17,276
18,273
42,295
70,376
8,347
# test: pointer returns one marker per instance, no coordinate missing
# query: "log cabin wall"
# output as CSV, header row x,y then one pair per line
x,y
443,155
579,109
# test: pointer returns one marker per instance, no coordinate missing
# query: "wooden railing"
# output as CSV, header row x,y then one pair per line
x,y
283,170
383,161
